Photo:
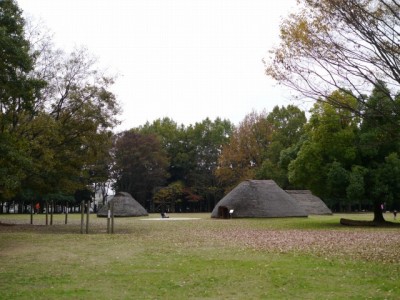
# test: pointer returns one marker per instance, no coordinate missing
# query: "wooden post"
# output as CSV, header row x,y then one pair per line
x,y
66,214
87,215
108,216
47,213
82,215
32,208
52,211
112,217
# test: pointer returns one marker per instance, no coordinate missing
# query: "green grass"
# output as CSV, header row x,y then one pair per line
x,y
197,259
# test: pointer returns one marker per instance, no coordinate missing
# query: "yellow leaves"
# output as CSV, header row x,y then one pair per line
x,y
301,32
295,31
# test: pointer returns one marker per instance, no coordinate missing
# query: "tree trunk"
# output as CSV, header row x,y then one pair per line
x,y
66,213
378,215
87,215
51,212
47,213
377,221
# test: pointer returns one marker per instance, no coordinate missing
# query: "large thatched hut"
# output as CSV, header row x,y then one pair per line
x,y
258,199
124,206
312,204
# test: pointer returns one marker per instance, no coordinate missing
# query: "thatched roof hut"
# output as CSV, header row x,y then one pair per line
x,y
312,204
257,199
124,206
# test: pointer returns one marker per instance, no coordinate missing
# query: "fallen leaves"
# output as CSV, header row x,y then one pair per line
x,y
366,245
363,244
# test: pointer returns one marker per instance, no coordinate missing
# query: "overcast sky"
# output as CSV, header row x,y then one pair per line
x,y
183,59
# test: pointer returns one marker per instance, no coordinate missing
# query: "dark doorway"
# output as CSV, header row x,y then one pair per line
x,y
223,212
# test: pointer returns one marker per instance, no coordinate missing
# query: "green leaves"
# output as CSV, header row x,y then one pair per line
x,y
18,88
193,153
140,164
56,113
14,162
348,160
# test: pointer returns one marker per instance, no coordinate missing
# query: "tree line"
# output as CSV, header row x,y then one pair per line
x,y
352,163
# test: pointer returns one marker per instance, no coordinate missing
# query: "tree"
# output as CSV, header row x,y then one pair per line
x,y
56,112
356,189
350,161
75,115
168,197
328,151
346,45
207,139
140,165
337,181
287,128
13,159
80,112
174,141
193,152
18,90
245,152
379,146
378,136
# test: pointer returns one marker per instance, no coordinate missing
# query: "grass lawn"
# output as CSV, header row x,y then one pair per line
x,y
199,258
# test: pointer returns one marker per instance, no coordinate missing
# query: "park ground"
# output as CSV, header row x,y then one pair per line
x,y
191,256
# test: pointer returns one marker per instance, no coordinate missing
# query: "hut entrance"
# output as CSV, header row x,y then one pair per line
x,y
223,212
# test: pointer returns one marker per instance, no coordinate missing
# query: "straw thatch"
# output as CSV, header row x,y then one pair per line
x,y
124,206
258,199
312,204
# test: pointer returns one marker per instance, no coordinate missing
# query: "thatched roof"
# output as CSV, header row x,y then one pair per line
x,y
258,199
124,206
312,204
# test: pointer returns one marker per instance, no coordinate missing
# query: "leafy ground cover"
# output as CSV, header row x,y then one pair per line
x,y
202,258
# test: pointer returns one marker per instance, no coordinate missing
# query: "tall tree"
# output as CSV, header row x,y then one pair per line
x,y
379,147
207,139
74,117
340,45
56,112
140,165
174,141
18,90
287,128
328,151
245,152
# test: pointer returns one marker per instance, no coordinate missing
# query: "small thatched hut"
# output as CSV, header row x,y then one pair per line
x,y
124,206
312,204
257,199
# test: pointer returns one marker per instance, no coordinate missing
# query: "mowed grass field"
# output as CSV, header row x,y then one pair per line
x,y
199,258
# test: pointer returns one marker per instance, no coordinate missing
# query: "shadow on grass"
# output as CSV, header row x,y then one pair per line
x,y
363,223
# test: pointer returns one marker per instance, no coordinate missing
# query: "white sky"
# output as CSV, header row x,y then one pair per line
x,y
183,59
